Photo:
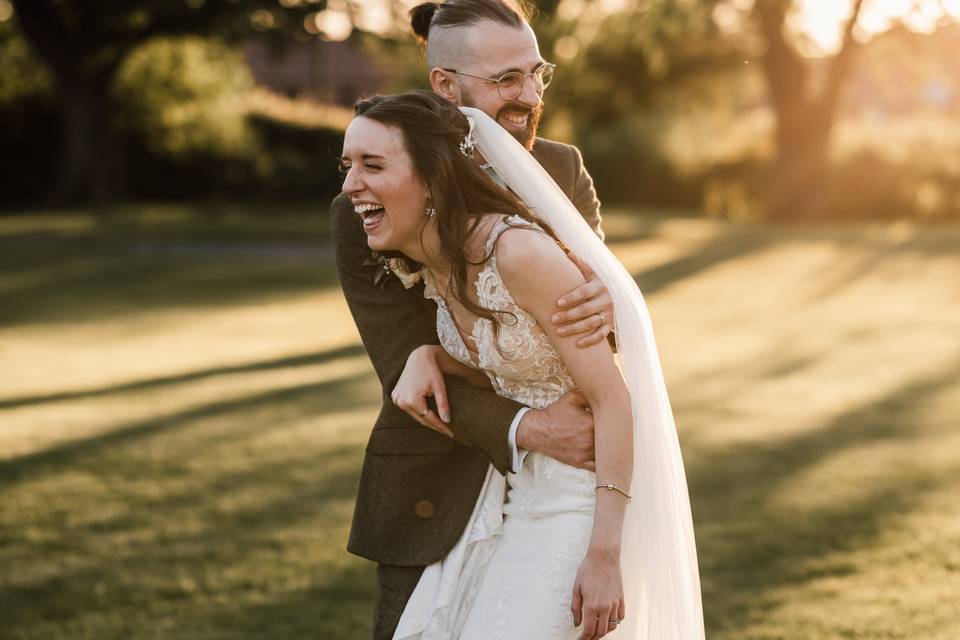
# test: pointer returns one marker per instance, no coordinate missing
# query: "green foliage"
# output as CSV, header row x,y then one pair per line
x,y
298,159
186,98
892,168
631,59
28,134
87,42
191,122
628,164
24,77
632,87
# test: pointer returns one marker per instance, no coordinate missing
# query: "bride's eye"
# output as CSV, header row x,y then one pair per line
x,y
343,168
370,165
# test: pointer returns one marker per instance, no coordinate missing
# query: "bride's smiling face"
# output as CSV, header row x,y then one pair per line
x,y
383,185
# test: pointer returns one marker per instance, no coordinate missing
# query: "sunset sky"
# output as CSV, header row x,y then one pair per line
x,y
822,20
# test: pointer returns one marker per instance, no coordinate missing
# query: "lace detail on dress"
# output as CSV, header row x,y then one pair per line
x,y
561,575
446,328
527,367
505,598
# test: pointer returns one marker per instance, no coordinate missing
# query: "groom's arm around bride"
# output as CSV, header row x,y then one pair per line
x,y
418,487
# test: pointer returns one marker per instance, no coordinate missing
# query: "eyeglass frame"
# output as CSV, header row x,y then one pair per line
x,y
538,73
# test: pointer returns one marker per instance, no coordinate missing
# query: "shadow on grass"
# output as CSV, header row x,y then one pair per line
x,y
96,280
873,254
730,244
211,532
336,606
63,454
85,285
182,570
264,365
759,546
869,245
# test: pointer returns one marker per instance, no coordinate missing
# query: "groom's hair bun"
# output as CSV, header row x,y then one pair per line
x,y
465,13
420,18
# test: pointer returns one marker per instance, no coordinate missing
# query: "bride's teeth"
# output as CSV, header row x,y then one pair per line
x,y
362,209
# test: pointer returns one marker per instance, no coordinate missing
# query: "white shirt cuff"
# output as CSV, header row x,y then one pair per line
x,y
516,454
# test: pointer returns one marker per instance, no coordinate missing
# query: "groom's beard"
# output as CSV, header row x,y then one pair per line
x,y
529,134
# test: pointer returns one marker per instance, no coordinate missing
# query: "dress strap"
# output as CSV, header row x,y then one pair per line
x,y
501,225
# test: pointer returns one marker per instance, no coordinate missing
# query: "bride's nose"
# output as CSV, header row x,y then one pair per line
x,y
352,183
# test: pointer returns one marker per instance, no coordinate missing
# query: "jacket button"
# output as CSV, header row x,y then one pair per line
x,y
423,509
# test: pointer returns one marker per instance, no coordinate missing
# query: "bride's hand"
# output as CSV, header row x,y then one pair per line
x,y
598,595
422,378
587,310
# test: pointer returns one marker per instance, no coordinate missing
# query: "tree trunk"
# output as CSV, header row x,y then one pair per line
x,y
89,155
799,179
88,164
798,184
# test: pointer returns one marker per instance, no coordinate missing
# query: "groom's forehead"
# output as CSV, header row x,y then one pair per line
x,y
500,48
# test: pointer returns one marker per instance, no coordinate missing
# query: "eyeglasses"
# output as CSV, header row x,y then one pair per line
x,y
510,84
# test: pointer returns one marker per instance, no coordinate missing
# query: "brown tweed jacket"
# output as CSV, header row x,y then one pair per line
x,y
418,487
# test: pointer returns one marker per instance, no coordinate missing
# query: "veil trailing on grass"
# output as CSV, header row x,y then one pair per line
x,y
659,557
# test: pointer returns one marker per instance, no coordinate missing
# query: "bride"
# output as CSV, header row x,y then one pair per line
x,y
550,552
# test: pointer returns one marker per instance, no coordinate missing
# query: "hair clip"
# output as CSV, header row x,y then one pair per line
x,y
469,143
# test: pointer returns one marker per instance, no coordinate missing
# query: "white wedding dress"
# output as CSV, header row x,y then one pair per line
x,y
511,574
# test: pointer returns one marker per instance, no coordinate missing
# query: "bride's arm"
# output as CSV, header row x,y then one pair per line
x,y
423,377
448,365
536,272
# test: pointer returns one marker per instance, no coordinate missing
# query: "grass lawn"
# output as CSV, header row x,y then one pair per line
x,y
184,405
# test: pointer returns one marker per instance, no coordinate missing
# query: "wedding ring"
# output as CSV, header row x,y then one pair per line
x,y
423,413
602,319
614,622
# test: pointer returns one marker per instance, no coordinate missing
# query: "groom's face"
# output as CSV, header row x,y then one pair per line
x,y
495,49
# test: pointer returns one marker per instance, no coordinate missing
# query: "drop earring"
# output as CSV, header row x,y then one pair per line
x,y
430,211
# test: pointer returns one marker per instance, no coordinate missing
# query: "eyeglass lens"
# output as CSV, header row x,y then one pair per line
x,y
511,84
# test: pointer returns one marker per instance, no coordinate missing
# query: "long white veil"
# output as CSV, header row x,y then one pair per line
x,y
659,556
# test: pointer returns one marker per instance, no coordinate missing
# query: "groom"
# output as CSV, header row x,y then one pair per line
x,y
418,488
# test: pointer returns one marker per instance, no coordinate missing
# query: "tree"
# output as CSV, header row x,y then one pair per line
x,y
804,116
84,44
628,60
652,53
805,93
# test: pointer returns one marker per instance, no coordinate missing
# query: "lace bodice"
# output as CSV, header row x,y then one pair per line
x,y
527,367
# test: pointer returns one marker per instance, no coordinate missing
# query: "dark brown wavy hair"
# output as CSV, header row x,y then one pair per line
x,y
460,191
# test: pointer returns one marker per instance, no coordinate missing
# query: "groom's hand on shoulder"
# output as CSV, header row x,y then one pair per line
x,y
587,310
562,430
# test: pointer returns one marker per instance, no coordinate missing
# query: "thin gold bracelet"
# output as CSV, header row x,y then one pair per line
x,y
613,487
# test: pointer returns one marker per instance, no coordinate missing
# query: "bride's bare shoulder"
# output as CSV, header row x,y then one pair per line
x,y
530,261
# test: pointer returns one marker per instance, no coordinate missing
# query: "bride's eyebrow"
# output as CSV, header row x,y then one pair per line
x,y
366,156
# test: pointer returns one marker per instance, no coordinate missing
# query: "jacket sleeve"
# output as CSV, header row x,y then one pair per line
x,y
584,194
394,321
